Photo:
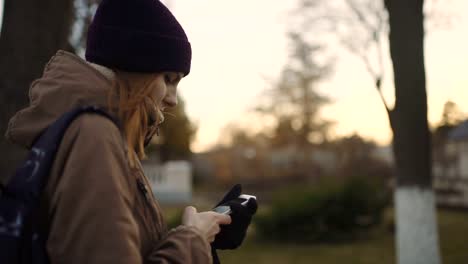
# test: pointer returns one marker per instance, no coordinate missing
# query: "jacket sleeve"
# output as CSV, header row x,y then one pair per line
x,y
91,203
181,245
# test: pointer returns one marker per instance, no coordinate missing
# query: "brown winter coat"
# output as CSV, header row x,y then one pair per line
x,y
96,210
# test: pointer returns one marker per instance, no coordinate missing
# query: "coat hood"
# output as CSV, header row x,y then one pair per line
x,y
67,82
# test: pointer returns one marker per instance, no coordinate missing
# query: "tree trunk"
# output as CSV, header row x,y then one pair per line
x,y
32,32
417,239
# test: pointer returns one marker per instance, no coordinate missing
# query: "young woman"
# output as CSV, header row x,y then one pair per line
x,y
98,206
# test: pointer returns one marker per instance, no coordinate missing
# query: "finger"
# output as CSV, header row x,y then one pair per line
x,y
223,219
188,214
190,210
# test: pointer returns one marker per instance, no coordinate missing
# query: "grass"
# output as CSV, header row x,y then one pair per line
x,y
377,247
453,233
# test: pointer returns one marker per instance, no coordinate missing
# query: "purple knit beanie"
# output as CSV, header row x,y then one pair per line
x,y
138,36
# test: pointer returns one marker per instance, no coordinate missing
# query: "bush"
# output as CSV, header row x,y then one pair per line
x,y
329,211
174,218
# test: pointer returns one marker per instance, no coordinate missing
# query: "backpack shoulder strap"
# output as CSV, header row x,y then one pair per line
x,y
30,178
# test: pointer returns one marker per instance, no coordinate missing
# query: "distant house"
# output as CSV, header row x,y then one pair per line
x,y
384,153
171,182
459,143
451,178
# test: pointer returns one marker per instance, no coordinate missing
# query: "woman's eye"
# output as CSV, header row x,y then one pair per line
x,y
151,120
167,78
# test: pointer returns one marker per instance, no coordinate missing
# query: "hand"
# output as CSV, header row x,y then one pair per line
x,y
206,222
231,236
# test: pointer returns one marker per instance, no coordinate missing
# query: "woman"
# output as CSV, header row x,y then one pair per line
x,y
98,206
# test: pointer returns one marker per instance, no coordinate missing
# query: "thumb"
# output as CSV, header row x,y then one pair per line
x,y
189,212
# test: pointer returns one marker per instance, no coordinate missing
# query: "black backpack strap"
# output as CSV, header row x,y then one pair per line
x,y
214,255
29,180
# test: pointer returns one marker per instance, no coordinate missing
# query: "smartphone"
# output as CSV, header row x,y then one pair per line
x,y
243,199
223,209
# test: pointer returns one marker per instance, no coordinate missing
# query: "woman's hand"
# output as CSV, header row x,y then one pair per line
x,y
206,222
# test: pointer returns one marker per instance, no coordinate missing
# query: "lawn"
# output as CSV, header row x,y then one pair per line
x,y
377,247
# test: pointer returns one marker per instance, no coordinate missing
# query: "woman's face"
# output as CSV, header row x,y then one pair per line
x,y
168,96
164,96
165,91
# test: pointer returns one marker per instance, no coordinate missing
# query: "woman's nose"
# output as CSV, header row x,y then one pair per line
x,y
171,99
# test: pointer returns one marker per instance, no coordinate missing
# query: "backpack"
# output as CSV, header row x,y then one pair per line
x,y
22,238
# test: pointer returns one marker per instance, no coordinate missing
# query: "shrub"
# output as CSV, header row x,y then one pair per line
x,y
174,218
328,211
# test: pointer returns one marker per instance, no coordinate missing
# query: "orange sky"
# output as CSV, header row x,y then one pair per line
x,y
237,43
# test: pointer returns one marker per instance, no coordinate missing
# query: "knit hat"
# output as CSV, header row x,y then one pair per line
x,y
138,36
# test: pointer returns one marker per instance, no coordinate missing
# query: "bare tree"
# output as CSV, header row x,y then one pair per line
x,y
451,115
294,100
32,32
417,236
361,27
84,12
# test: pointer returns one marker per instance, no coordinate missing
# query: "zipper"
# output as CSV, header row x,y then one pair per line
x,y
142,187
150,217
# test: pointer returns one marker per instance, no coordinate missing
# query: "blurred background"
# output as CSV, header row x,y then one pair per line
x,y
287,98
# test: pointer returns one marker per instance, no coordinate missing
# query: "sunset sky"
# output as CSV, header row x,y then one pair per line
x,y
238,45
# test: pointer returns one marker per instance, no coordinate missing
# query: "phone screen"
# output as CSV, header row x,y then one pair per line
x,y
222,209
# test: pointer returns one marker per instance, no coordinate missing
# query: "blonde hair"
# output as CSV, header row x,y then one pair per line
x,y
130,99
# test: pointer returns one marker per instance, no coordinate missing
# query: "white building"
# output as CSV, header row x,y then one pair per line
x,y
171,182
452,178
459,145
